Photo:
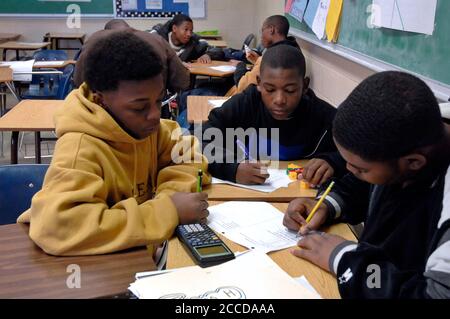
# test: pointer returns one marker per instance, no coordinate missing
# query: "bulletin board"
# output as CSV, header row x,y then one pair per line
x,y
139,9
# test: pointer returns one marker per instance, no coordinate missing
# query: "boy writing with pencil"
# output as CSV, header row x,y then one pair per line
x,y
390,132
112,183
281,102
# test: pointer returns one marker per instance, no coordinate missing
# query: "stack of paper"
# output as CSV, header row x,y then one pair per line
x,y
252,275
217,103
224,68
255,225
277,179
22,70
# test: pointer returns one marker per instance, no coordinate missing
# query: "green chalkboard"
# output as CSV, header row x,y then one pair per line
x,y
56,7
426,55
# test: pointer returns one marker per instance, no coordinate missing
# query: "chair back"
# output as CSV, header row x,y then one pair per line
x,y
50,55
18,184
65,82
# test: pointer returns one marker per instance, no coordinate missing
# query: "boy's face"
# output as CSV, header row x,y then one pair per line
x,y
135,105
378,173
281,91
183,32
266,35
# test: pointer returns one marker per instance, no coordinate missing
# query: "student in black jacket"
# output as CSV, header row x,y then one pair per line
x,y
179,32
283,102
390,132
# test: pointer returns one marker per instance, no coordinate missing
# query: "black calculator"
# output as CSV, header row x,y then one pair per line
x,y
203,244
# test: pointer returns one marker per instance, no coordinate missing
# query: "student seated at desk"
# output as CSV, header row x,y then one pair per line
x,y
281,101
112,183
176,76
179,32
390,132
274,31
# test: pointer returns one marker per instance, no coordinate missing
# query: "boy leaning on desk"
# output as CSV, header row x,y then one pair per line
x,y
390,132
112,183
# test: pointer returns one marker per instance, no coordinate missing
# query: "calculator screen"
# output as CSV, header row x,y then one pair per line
x,y
211,250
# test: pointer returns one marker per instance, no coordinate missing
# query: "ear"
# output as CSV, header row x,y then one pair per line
x,y
99,98
413,162
272,30
306,81
258,82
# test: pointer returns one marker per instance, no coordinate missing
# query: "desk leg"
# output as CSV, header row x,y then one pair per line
x,y
37,147
14,147
193,79
17,55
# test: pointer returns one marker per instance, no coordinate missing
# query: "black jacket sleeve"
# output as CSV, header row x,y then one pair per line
x,y
241,69
223,162
348,201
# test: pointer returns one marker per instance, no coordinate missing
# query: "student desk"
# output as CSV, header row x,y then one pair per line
x,y
198,107
17,46
225,192
29,115
54,39
6,77
322,281
27,272
210,36
196,68
53,66
5,37
217,43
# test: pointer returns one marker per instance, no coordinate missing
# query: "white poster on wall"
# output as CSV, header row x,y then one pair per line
x,y
128,5
405,15
153,4
197,8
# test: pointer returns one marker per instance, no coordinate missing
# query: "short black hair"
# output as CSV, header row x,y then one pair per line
x,y
387,116
120,56
178,20
116,24
285,57
280,23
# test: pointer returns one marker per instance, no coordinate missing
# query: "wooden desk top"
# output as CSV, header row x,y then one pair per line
x,y
6,74
224,192
50,66
198,107
205,69
322,281
9,37
31,115
13,45
27,272
218,43
210,36
62,35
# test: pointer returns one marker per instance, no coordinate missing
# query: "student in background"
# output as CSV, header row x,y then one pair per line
x,y
389,130
280,100
274,32
112,184
179,33
176,77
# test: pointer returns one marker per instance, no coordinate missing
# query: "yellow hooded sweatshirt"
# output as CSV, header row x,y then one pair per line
x,y
97,195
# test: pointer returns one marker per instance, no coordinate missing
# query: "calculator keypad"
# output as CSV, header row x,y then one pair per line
x,y
200,236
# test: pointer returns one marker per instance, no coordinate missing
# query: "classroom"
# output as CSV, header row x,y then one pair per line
x,y
225,149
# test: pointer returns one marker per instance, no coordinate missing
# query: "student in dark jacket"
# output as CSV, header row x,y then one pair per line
x,y
176,76
274,31
179,33
283,102
390,132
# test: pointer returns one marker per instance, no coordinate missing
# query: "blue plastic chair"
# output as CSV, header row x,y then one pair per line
x,y
45,86
57,91
18,184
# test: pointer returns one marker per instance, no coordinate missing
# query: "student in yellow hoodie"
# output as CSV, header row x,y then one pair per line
x,y
112,183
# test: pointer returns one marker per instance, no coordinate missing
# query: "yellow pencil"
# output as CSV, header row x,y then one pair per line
x,y
319,202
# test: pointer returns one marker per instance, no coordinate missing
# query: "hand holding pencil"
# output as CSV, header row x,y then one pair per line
x,y
306,214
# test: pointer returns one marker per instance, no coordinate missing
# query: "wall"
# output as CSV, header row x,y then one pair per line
x,y
234,19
